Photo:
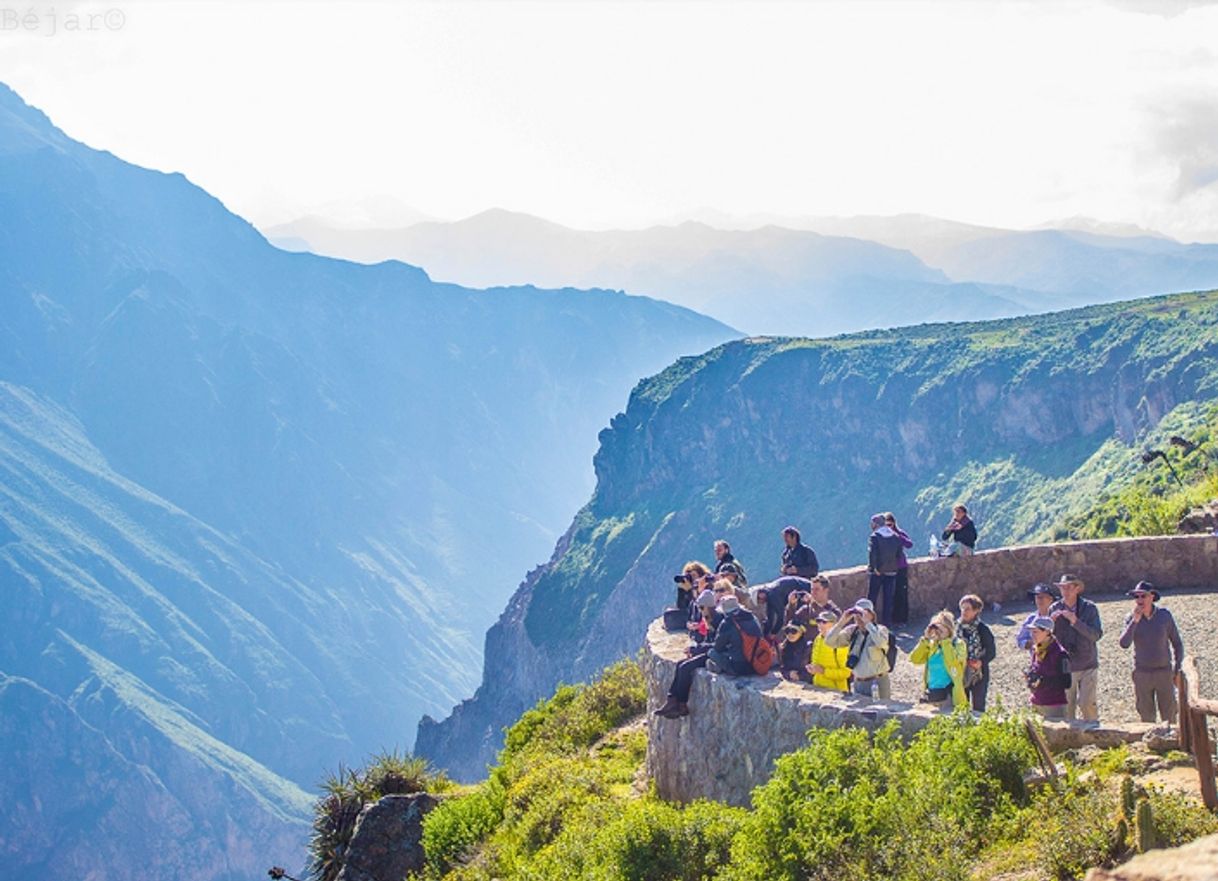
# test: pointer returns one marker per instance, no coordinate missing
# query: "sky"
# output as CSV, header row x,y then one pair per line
x,y
626,114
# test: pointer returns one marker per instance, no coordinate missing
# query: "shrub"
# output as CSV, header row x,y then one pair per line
x,y
853,806
458,825
1179,819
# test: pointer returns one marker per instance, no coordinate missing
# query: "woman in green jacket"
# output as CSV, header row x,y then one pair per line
x,y
943,656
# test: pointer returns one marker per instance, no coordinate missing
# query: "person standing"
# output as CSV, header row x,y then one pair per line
x,y
981,650
961,532
1044,597
1076,624
1158,653
1048,673
726,564
884,551
900,593
942,656
797,557
867,649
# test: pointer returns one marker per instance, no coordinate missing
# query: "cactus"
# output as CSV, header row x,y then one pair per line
x,y
1144,826
1120,838
1128,798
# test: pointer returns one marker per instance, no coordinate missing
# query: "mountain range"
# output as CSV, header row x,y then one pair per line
x,y
814,276
255,506
1029,421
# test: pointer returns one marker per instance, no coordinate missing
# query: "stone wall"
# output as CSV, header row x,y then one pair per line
x,y
1005,574
739,726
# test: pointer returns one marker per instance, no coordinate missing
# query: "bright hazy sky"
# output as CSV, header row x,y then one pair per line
x,y
624,114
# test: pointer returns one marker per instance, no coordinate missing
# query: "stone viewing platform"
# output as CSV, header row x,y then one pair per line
x,y
738,726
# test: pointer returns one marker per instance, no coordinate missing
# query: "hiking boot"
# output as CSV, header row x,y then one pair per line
x,y
669,706
676,711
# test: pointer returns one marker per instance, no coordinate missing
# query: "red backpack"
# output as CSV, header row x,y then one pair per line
x,y
757,650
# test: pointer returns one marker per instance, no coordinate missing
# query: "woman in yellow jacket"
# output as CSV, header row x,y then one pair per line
x,y
828,667
944,657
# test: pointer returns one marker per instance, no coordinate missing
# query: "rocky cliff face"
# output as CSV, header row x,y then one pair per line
x,y
1024,419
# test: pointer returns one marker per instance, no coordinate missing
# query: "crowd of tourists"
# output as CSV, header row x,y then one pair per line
x,y
792,626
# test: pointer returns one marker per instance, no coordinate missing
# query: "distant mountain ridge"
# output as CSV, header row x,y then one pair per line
x,y
764,280
1025,419
812,276
254,505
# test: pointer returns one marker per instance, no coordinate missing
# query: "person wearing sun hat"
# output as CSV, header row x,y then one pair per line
x,y
1044,598
1076,624
1158,652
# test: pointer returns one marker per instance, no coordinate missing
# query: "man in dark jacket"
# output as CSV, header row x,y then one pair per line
x,y
727,655
884,549
797,557
1076,624
726,564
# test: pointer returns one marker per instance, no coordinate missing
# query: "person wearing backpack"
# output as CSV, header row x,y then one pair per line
x,y
740,648
677,703
867,649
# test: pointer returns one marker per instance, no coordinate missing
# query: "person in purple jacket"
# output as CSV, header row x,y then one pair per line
x,y
1048,673
900,595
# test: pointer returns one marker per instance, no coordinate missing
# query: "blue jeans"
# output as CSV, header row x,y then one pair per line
x,y
881,590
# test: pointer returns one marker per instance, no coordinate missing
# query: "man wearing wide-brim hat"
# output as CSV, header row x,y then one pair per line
x,y
1076,624
1158,653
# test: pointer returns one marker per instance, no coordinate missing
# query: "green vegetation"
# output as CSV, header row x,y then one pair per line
x,y
346,791
1153,501
567,801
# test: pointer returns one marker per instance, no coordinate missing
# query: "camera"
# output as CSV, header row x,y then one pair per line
x,y
683,579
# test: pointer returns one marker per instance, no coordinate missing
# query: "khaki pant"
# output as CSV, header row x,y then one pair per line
x,y
1080,696
1151,687
879,687
1057,712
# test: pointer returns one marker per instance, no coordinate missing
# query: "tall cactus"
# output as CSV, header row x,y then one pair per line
x,y
1144,826
1129,797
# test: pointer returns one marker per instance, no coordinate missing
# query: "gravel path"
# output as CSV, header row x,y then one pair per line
x,y
1196,615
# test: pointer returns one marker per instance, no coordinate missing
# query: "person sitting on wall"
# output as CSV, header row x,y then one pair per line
x,y
943,656
1044,597
867,649
884,550
960,533
703,618
1076,624
1048,673
797,557
828,667
819,600
981,650
1158,653
795,653
727,655
687,582
677,704
725,563
900,593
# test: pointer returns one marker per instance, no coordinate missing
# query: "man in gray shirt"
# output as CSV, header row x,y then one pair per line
x,y
1158,652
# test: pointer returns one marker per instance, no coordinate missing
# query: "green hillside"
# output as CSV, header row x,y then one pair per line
x,y
1036,423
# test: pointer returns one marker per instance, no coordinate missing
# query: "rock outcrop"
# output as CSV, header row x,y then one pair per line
x,y
387,843
1202,520
1197,861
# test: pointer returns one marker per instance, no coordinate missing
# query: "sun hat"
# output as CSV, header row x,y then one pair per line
x,y
1042,622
